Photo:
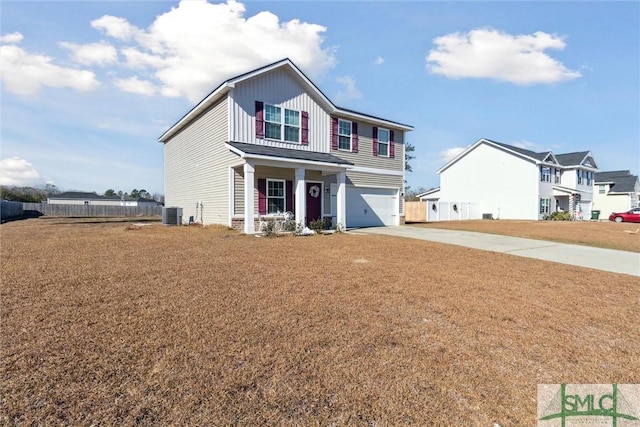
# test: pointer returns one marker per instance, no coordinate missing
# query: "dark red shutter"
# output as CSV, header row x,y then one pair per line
x,y
392,148
375,141
262,196
354,137
289,197
305,128
334,133
259,119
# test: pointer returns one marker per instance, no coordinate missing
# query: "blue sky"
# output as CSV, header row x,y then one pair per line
x,y
87,87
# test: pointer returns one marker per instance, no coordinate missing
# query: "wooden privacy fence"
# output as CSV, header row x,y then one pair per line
x,y
415,212
90,210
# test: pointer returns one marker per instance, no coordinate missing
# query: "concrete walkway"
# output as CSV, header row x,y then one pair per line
x,y
583,256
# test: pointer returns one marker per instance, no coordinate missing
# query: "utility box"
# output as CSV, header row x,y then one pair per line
x,y
172,216
487,216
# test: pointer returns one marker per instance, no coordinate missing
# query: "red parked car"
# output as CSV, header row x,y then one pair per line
x,y
629,216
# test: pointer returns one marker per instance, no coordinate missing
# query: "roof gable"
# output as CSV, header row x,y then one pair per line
x,y
529,155
226,86
580,158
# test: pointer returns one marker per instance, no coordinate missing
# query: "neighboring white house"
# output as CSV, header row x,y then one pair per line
x,y
615,191
492,179
269,141
81,198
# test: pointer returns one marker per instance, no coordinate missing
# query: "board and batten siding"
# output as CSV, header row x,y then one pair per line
x,y
196,164
280,88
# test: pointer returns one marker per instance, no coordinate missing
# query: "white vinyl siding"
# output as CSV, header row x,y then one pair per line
x,y
503,185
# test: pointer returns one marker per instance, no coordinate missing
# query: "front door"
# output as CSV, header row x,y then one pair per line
x,y
314,201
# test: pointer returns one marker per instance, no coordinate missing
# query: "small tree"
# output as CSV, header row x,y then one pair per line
x,y
110,192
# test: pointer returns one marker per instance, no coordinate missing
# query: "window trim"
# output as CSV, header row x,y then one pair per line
x,y
284,195
340,135
387,143
545,206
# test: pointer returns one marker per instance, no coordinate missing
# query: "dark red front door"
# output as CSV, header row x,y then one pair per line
x,y
314,198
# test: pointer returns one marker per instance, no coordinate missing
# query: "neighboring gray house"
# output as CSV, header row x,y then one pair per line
x,y
82,198
615,191
269,141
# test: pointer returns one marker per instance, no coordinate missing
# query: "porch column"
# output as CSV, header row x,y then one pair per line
x,y
301,196
249,204
341,197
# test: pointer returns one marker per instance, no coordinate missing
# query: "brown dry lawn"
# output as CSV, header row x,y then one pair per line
x,y
604,234
112,324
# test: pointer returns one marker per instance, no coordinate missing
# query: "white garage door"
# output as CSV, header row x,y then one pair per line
x,y
371,207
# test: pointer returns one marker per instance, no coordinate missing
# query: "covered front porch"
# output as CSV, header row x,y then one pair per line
x,y
577,203
267,182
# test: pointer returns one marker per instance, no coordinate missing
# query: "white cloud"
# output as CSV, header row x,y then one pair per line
x,y
11,38
196,45
350,90
118,28
93,53
19,172
135,85
25,73
450,154
488,53
379,60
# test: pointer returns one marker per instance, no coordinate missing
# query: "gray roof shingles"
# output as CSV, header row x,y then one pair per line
x,y
623,181
528,153
288,153
571,159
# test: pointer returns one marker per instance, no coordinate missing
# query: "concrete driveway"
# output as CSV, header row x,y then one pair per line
x,y
583,256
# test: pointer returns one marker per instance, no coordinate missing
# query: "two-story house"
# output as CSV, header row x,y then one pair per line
x,y
492,179
615,191
269,141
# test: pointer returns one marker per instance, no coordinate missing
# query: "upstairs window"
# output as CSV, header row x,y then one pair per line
x,y
589,177
272,122
291,126
557,176
383,142
601,189
545,174
580,177
344,135
274,128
